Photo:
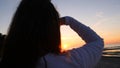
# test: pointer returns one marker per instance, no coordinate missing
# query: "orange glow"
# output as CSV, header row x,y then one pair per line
x,y
110,37
70,39
64,47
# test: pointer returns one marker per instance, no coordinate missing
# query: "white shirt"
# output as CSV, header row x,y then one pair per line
x,y
83,57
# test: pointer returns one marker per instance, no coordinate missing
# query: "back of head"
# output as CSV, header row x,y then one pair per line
x,y
34,32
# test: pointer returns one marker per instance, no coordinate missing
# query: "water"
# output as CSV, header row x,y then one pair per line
x,y
111,45
112,50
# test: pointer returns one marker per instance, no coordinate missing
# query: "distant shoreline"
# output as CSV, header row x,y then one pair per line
x,y
112,45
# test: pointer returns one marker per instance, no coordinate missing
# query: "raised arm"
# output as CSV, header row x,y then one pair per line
x,y
87,34
88,55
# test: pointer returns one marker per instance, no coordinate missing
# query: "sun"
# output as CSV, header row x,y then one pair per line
x,y
64,47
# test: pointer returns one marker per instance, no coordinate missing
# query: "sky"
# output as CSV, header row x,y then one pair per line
x,y
103,16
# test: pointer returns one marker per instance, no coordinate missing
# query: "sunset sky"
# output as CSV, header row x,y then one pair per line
x,y
103,16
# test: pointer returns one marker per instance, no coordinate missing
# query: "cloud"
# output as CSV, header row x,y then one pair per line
x,y
101,21
100,18
110,20
99,14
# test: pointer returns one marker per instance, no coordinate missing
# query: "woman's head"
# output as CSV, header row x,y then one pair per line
x,y
34,32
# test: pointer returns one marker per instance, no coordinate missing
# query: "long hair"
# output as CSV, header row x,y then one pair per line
x,y
2,37
34,32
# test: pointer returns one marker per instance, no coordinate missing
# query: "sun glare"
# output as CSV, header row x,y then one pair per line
x,y
64,47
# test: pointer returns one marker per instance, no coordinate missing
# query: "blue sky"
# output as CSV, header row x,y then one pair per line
x,y
101,15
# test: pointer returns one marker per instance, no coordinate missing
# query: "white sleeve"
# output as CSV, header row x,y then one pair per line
x,y
90,53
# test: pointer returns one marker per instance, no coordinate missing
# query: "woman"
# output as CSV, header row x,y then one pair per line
x,y
34,40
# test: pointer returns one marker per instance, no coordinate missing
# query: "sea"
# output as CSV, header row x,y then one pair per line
x,y
111,45
112,50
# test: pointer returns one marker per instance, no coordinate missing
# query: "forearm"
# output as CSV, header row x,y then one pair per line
x,y
87,34
91,52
